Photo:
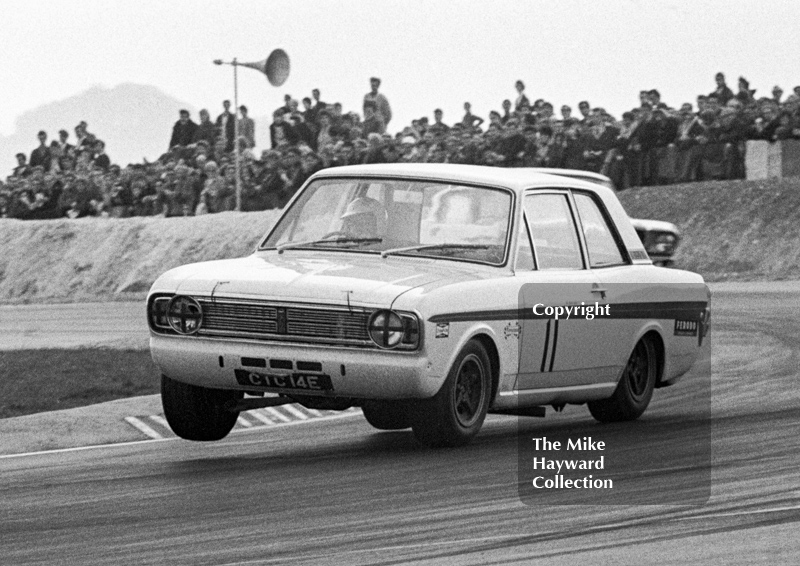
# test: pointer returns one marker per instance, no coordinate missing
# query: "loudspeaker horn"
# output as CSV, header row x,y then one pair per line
x,y
275,67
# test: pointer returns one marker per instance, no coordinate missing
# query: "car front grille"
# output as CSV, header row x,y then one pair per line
x,y
285,322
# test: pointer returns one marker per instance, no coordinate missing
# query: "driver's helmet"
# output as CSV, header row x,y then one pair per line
x,y
364,218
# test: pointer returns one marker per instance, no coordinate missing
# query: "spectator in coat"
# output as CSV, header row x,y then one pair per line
x,y
226,127
304,133
183,132
317,106
381,102
206,130
470,120
585,109
280,131
325,133
598,143
41,156
438,128
521,98
745,95
724,94
686,145
100,158
373,120
247,127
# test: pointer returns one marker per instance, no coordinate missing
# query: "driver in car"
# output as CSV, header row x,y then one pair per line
x,y
364,218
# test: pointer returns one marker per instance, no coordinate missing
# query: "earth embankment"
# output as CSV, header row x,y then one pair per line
x,y
732,230
103,258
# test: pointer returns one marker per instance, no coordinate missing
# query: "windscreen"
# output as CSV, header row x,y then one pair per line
x,y
398,217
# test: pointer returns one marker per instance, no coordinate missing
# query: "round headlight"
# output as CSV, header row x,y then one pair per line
x,y
184,314
386,329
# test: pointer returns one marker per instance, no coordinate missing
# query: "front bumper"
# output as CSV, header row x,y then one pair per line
x,y
356,373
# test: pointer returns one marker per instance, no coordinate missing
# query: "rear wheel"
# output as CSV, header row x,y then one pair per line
x,y
635,388
386,415
456,413
198,413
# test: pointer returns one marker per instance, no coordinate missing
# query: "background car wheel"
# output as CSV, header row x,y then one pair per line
x,y
386,415
456,413
635,388
197,413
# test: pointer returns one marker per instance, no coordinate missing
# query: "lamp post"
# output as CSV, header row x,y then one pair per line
x,y
235,65
276,69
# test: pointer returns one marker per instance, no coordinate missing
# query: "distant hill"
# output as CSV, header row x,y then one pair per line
x,y
134,120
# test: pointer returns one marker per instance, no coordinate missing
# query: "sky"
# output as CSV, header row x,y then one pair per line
x,y
428,53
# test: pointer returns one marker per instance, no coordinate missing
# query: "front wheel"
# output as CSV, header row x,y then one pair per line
x,y
198,413
456,413
635,388
386,415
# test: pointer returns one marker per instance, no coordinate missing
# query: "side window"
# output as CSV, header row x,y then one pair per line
x,y
600,243
524,251
553,231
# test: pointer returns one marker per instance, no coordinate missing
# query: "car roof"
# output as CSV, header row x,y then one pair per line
x,y
517,178
655,225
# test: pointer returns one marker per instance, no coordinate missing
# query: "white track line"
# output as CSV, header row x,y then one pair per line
x,y
256,414
161,420
313,412
243,422
143,427
277,414
296,412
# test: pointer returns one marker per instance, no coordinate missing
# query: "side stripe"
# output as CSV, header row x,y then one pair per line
x,y
546,344
688,310
555,343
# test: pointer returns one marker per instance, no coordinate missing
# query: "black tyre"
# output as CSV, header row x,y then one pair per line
x,y
197,413
386,415
456,413
635,388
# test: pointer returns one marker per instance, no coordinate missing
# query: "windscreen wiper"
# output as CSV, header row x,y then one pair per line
x,y
435,247
291,245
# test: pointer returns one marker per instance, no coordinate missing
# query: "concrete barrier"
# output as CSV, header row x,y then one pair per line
x,y
768,160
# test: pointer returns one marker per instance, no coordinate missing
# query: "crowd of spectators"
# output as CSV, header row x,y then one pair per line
x,y
653,143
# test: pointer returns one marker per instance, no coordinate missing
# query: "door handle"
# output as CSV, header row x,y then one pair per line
x,y
597,289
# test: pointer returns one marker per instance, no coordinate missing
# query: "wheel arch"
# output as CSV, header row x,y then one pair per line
x,y
653,331
494,359
658,342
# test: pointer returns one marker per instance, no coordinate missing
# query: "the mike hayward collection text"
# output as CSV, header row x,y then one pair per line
x,y
557,480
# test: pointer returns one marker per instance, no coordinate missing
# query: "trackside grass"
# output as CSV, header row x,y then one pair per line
x,y
32,381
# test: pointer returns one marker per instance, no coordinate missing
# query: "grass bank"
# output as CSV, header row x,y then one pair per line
x,y
101,258
48,380
732,230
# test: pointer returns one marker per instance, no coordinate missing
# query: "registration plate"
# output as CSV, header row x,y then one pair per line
x,y
307,381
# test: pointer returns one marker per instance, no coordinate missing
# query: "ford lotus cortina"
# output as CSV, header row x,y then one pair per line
x,y
428,295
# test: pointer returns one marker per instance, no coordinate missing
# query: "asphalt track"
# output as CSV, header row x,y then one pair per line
x,y
337,492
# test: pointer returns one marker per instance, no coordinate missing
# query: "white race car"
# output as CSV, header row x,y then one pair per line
x,y
428,295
